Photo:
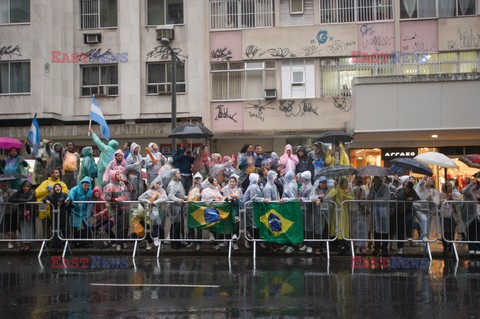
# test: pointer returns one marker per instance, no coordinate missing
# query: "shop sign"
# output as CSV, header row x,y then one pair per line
x,y
391,153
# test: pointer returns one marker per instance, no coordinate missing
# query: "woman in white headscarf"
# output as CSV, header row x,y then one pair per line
x,y
153,162
306,179
252,194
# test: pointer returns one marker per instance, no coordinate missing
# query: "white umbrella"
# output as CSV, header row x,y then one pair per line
x,y
436,158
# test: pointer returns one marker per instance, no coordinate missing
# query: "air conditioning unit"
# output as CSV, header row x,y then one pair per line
x,y
270,94
298,77
92,38
164,89
165,31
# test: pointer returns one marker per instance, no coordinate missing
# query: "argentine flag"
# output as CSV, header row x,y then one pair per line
x,y
34,136
96,115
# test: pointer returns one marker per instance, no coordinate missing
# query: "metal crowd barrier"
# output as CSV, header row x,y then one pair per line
x,y
317,224
386,219
21,218
460,223
167,222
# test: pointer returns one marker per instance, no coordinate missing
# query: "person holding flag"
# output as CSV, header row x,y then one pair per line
x,y
38,149
106,150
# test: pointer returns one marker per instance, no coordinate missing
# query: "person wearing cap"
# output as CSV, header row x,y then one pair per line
x,y
319,195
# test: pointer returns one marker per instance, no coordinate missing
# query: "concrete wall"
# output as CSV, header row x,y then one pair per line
x,y
403,104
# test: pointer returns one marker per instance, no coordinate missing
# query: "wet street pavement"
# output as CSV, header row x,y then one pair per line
x,y
211,287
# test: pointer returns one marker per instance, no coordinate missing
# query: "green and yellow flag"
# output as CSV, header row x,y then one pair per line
x,y
217,217
279,222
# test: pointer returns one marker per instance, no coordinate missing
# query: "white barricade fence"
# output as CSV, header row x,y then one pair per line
x,y
389,221
20,222
319,219
460,224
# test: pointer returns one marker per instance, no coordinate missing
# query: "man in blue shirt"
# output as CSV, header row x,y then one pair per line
x,y
183,160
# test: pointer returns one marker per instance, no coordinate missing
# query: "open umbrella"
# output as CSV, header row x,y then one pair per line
x,y
373,170
12,177
335,136
8,142
413,165
435,158
191,131
472,160
336,171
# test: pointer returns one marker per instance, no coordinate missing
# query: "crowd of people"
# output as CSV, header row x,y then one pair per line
x,y
163,185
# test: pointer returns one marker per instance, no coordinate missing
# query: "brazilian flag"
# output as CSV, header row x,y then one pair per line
x,y
217,217
279,222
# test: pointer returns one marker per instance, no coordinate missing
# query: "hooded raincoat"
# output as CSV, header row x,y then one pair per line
x,y
339,195
270,191
26,212
322,214
81,212
211,193
88,167
254,194
43,190
290,186
153,199
106,156
380,211
134,169
153,169
289,162
176,192
115,166
331,159
304,163
41,160
15,165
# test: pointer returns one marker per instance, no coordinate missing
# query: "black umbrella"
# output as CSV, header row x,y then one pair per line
x,y
12,177
191,131
373,170
413,165
335,136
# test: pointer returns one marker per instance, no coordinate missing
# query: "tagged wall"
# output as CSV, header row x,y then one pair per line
x,y
297,115
376,37
419,36
299,42
225,46
459,34
226,117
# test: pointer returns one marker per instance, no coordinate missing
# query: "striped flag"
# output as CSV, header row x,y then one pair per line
x,y
96,115
34,136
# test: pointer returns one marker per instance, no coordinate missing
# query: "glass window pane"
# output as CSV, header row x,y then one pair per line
x,y
236,66
426,8
219,66
20,77
4,11
270,65
20,11
446,8
108,13
329,82
156,73
4,78
296,6
109,74
254,85
174,11
270,80
90,76
155,12
180,72
219,86
236,85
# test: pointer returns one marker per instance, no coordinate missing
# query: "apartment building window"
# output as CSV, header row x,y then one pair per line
x,y
242,80
337,73
298,79
161,12
98,14
417,9
341,11
14,77
241,14
101,80
441,63
159,75
14,11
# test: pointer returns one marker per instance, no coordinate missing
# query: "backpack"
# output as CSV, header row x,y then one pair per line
x,y
70,162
